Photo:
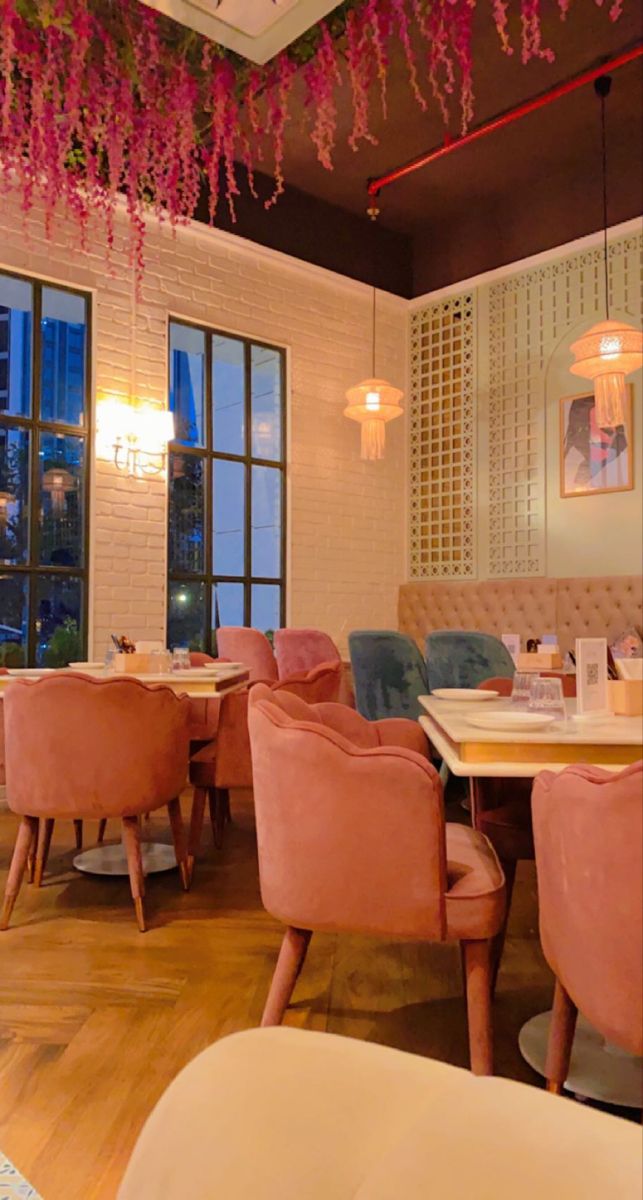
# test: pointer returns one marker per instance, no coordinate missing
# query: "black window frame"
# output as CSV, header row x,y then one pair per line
x,y
33,569
208,577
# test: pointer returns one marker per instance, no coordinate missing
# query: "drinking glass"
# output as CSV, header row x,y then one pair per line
x,y
521,689
157,662
180,658
546,696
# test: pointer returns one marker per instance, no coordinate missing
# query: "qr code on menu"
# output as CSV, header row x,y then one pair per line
x,y
592,673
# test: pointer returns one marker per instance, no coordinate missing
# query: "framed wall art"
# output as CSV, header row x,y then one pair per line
x,y
594,460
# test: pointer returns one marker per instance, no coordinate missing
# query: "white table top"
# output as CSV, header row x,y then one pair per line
x,y
447,727
197,683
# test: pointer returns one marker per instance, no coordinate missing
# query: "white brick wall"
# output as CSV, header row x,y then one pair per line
x,y
346,517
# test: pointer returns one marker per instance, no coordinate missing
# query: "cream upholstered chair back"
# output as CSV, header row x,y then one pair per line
x,y
596,606
327,1116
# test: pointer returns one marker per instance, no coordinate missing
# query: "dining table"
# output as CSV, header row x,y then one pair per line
x,y
598,1070
204,687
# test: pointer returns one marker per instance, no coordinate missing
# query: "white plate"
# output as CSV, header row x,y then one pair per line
x,y
469,694
31,672
510,722
217,668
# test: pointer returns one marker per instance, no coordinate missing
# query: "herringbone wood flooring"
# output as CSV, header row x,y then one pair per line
x,y
96,1018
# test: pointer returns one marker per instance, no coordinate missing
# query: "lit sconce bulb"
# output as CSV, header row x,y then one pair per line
x,y
372,401
610,346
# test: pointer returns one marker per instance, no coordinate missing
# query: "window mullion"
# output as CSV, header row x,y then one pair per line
x,y
247,548
209,486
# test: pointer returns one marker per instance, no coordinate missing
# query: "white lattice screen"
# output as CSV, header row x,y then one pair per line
x,y
442,542
482,357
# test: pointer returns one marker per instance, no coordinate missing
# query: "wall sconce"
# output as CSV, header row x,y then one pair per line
x,y
134,438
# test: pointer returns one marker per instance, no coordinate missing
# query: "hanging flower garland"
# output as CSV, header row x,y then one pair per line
x,y
106,98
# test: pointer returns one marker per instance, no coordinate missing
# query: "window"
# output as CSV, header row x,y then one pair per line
x,y
226,543
44,418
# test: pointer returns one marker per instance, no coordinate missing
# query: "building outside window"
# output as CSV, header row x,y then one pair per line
x,y
44,422
226,535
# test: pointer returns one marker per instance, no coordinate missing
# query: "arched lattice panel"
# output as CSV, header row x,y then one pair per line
x,y
442,428
528,314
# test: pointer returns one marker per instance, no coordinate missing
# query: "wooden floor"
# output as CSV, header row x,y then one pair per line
x,y
96,1018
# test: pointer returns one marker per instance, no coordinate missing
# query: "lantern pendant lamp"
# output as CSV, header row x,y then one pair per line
x,y
373,402
609,350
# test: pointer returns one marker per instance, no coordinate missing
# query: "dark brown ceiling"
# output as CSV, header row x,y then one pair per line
x,y
526,188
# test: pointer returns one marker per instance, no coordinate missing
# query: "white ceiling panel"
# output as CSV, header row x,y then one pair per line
x,y
256,29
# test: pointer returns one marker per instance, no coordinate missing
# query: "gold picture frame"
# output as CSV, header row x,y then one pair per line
x,y
594,461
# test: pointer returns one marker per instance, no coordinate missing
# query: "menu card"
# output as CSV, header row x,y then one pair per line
x,y
512,642
591,676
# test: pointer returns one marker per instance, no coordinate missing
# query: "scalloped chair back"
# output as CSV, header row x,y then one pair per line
x,y
240,643
465,658
388,673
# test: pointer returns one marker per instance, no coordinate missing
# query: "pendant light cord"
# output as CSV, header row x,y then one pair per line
x,y
374,302
602,87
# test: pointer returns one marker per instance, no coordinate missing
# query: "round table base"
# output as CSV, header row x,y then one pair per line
x,y
112,860
597,1071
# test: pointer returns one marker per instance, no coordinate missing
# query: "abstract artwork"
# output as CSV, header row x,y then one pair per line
x,y
593,460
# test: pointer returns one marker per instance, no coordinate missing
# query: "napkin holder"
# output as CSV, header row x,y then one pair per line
x,y
139,663
626,697
542,660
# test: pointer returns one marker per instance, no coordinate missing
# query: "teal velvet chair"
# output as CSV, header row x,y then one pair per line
x,y
463,659
388,673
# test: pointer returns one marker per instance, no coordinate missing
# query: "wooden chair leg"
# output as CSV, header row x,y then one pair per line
x,y
477,962
25,843
31,857
132,844
180,844
509,868
291,959
45,830
196,826
217,800
561,1040
102,826
78,830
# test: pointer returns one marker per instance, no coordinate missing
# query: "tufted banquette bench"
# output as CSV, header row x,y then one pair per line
x,y
595,606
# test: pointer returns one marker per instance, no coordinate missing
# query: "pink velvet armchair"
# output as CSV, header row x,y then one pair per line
x,y
588,831
238,643
352,838
302,649
225,762
105,748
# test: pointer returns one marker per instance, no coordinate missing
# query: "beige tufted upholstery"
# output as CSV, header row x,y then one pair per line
x,y
596,606
602,606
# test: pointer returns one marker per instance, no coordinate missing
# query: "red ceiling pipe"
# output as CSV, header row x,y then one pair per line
x,y
505,118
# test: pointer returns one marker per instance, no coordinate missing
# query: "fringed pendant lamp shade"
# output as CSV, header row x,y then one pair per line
x,y
610,350
607,353
373,402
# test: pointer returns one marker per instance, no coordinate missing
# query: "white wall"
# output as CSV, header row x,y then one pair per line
x,y
346,517
518,352
591,535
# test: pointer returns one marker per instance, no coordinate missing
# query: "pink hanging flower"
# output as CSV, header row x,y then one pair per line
x,y
277,94
500,17
531,32
360,72
321,76
399,11
96,103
